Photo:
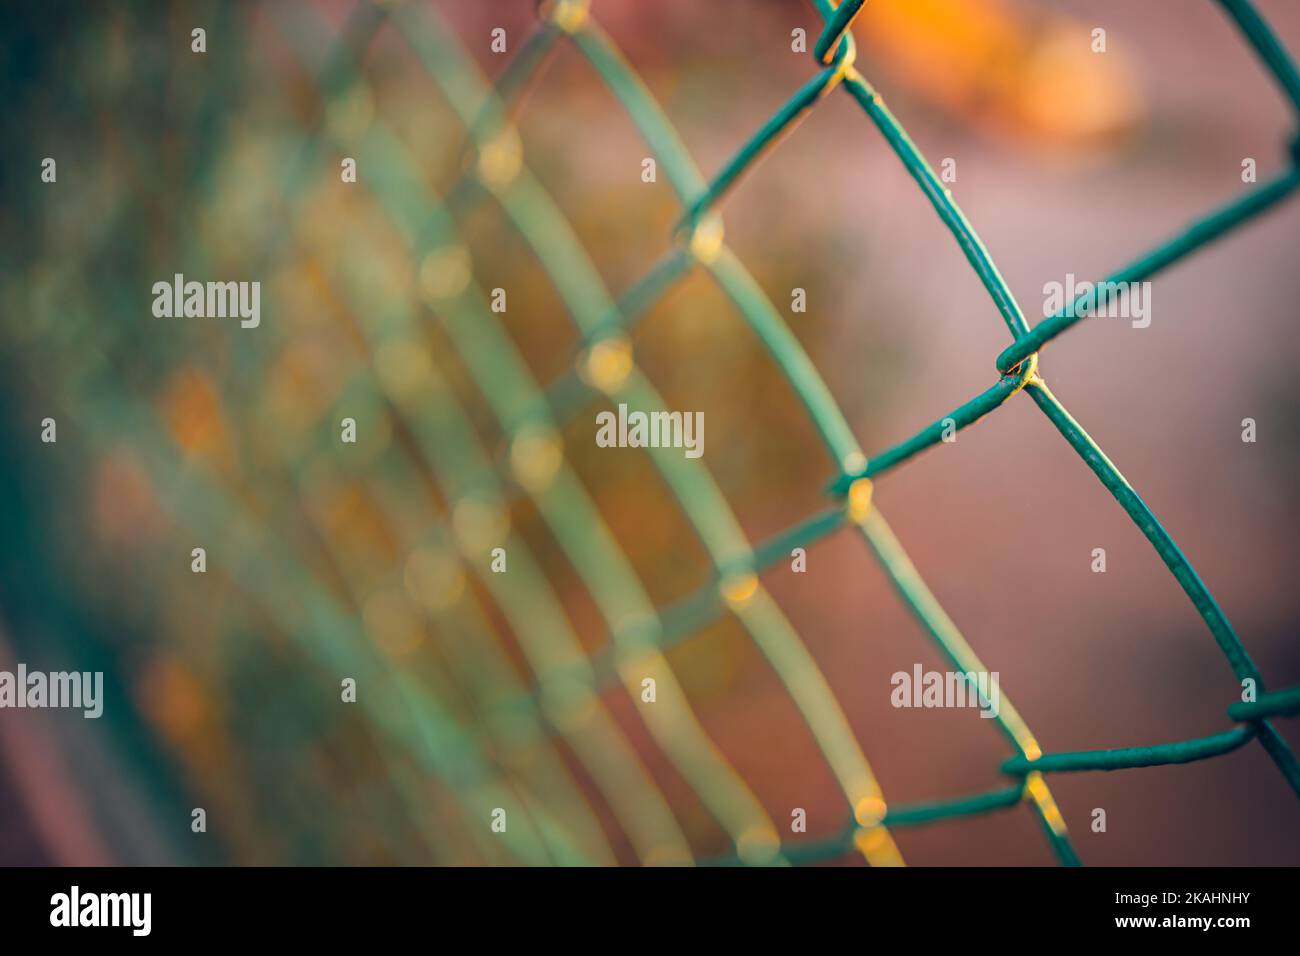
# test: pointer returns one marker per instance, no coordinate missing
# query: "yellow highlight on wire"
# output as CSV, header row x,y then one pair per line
x,y
568,15
500,158
738,589
859,500
480,522
535,457
1036,787
877,847
444,274
706,238
869,811
607,364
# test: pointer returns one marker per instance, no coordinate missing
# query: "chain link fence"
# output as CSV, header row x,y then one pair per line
x,y
438,454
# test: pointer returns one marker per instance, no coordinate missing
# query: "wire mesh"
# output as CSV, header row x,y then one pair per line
x,y
700,244
475,487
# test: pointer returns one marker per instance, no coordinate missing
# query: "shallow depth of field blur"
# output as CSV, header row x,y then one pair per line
x,y
175,434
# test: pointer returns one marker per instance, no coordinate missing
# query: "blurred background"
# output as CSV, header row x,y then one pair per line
x,y
328,560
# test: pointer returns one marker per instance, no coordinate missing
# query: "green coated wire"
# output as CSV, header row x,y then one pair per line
x,y
1124,758
528,602
968,413
781,124
337,72
1267,46
1238,658
1278,702
565,263
837,27
899,816
1198,234
793,361
707,511
461,467
631,619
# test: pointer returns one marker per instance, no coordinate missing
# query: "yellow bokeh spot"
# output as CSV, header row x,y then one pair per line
x,y
738,589
1063,94
859,500
500,158
392,622
535,457
404,367
433,578
444,274
706,238
877,846
607,364
568,15
480,523
869,811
